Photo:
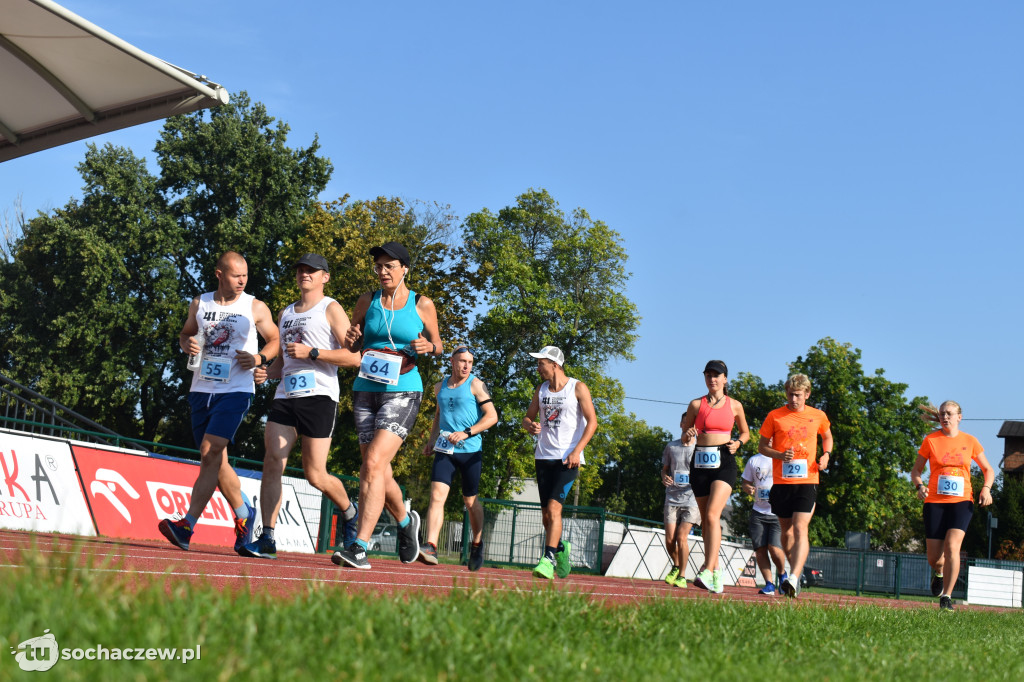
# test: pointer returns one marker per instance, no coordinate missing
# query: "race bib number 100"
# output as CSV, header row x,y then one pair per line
x,y
299,383
380,367
707,458
795,469
215,370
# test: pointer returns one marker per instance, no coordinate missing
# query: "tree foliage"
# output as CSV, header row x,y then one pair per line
x,y
631,476
552,279
89,297
877,434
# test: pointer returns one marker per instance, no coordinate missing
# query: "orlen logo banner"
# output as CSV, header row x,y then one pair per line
x,y
39,489
130,494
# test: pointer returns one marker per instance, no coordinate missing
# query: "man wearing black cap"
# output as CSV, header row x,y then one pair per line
x,y
567,421
220,332
306,402
464,412
392,327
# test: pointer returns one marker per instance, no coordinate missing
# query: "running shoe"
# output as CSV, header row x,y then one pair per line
x,y
562,565
783,577
476,556
768,590
178,532
789,588
350,529
263,548
428,554
945,603
680,581
716,583
936,584
409,539
672,575
243,530
354,555
704,580
545,569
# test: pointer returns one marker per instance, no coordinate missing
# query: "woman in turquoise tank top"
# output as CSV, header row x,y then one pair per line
x,y
391,327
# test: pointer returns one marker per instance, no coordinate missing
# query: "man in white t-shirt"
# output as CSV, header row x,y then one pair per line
x,y
765,532
562,417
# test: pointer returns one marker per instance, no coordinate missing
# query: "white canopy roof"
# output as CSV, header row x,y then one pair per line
x,y
63,79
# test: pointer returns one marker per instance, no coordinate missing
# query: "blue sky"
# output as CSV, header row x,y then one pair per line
x,y
779,172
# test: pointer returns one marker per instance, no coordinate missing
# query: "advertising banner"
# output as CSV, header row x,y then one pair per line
x,y
40,490
130,494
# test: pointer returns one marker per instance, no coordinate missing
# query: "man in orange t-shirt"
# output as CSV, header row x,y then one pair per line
x,y
789,436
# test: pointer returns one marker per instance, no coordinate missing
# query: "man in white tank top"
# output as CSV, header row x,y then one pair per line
x,y
562,417
222,389
306,402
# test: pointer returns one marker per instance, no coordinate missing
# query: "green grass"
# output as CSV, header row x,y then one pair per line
x,y
489,635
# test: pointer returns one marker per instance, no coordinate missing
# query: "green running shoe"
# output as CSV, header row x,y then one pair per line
x,y
672,575
545,569
704,580
680,581
562,565
716,583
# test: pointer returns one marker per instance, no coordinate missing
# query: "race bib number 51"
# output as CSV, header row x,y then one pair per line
x,y
380,367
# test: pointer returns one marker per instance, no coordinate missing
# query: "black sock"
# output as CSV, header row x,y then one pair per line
x,y
549,552
268,533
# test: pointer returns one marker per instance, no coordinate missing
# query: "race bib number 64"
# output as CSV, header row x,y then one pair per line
x,y
380,367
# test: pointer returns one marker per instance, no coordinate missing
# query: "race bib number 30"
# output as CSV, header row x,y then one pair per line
x,y
682,479
795,469
299,383
707,458
380,367
950,485
215,370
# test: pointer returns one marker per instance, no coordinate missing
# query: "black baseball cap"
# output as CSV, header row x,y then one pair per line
x,y
716,366
315,261
393,249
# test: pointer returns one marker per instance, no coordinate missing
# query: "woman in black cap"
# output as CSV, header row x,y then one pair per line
x,y
392,327
711,419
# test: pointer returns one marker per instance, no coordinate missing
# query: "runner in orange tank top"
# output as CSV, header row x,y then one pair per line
x,y
948,498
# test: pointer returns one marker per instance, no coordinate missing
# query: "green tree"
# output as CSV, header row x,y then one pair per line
x,y
877,433
552,279
631,477
89,298
232,182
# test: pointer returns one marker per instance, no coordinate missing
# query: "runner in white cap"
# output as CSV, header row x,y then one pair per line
x,y
562,417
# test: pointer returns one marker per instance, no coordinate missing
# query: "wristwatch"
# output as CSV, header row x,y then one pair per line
x,y
468,433
263,359
314,353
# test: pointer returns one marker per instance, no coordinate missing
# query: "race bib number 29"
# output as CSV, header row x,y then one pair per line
x,y
795,469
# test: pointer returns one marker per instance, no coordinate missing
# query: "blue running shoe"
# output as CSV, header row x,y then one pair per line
x,y
351,528
244,530
263,548
178,532
768,590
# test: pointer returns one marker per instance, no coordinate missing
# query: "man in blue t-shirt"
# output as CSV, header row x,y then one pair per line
x,y
464,411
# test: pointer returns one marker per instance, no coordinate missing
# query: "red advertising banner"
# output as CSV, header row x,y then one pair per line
x,y
130,494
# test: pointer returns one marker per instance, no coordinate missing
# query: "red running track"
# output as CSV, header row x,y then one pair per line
x,y
142,562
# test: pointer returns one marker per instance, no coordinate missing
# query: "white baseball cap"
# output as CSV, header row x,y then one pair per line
x,y
552,353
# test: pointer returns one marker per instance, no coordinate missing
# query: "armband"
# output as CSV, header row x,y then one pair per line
x,y
484,402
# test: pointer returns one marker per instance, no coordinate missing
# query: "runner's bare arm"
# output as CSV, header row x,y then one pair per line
x,y
186,340
354,336
826,449
266,328
689,419
429,340
339,357
529,423
435,427
590,414
741,425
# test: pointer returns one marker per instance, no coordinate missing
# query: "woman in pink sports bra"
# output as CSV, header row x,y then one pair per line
x,y
711,418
